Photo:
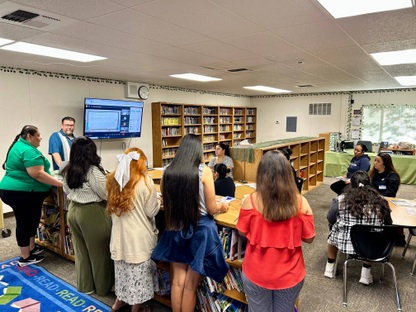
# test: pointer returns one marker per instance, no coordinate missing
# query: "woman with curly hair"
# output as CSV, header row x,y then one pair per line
x,y
133,204
360,204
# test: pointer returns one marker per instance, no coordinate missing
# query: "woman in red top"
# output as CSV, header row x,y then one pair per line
x,y
276,219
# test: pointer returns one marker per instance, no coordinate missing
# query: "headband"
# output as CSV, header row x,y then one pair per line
x,y
122,174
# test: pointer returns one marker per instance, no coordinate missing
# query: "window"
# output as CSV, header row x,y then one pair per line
x,y
392,124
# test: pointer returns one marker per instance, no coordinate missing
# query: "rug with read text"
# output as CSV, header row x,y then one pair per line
x,y
33,289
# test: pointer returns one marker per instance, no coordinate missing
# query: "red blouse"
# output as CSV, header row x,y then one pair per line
x,y
273,258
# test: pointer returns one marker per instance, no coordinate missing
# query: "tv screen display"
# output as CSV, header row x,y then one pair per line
x,y
112,119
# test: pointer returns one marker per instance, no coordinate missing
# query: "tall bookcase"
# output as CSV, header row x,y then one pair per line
x,y
213,124
307,158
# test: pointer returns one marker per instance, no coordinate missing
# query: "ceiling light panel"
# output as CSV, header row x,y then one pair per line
x,y
395,57
51,52
266,89
195,77
4,41
406,81
346,8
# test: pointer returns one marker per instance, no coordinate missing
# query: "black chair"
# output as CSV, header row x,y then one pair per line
x,y
299,183
373,244
369,145
412,232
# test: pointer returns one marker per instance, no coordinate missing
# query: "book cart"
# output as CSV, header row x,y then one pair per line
x,y
53,232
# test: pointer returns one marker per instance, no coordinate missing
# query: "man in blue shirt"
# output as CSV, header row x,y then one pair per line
x,y
60,142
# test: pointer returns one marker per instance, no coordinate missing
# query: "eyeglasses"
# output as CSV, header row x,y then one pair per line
x,y
66,125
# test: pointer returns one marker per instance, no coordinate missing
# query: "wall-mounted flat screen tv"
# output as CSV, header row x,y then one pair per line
x,y
112,119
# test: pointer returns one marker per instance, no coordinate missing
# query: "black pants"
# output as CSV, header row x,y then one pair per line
x,y
27,207
338,186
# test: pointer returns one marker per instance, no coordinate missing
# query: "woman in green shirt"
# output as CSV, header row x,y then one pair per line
x,y
26,183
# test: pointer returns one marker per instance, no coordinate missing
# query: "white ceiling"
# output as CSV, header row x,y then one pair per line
x,y
282,43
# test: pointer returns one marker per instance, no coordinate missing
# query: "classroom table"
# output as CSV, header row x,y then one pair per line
x,y
336,165
400,213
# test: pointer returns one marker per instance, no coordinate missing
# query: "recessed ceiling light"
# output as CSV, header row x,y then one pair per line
x,y
345,8
266,89
406,80
395,57
195,77
51,52
4,41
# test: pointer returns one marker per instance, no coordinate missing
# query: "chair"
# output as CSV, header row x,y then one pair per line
x,y
412,232
299,183
369,145
372,243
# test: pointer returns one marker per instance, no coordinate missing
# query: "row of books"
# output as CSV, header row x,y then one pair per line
x,y
232,281
218,302
233,244
49,234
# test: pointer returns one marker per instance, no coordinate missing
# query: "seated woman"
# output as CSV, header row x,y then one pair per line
x,y
384,177
222,155
360,204
360,161
386,180
224,186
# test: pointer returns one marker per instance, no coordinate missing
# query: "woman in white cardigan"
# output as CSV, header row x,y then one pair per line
x,y
133,204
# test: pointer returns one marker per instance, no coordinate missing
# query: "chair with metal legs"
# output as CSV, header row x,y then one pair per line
x,y
372,244
412,232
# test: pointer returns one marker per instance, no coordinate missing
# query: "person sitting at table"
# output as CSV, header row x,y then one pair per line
x,y
360,161
384,177
222,155
386,180
224,186
359,204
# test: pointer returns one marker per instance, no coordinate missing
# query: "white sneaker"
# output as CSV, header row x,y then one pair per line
x,y
366,277
329,270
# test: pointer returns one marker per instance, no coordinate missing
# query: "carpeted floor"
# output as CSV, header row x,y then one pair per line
x,y
319,293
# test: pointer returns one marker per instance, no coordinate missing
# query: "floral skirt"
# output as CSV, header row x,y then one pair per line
x,y
135,283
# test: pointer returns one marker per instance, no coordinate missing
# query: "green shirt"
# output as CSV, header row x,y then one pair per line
x,y
21,156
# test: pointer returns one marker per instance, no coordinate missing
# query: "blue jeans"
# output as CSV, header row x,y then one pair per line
x,y
261,299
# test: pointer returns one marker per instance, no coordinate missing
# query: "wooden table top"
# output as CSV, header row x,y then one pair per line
x,y
401,213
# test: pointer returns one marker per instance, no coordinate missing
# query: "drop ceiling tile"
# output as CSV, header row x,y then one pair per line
x,y
203,17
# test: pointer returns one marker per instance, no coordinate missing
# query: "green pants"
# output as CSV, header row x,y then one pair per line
x,y
91,229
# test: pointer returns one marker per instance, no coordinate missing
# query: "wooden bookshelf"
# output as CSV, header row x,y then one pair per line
x,y
58,199
308,155
214,124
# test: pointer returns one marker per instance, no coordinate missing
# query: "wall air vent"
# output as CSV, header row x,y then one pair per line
x,y
21,15
305,86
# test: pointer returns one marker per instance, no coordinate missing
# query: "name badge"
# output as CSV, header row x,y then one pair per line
x,y
382,187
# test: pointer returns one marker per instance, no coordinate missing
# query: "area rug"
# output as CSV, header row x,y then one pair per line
x,y
33,289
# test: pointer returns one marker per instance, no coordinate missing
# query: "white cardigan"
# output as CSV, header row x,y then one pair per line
x,y
134,233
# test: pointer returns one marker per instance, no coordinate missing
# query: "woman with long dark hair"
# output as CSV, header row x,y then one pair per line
x,y
90,224
384,177
360,204
24,187
133,204
190,242
276,219
222,156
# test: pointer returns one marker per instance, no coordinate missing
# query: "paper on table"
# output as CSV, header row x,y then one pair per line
x,y
411,211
